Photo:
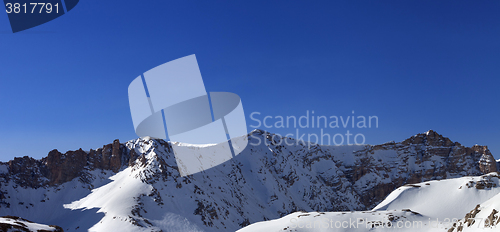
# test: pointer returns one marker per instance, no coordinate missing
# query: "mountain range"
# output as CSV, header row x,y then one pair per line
x,y
136,185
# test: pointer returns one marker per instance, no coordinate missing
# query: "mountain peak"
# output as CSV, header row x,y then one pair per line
x,y
257,131
430,138
430,132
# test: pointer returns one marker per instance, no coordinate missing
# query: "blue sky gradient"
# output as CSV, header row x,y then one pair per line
x,y
416,65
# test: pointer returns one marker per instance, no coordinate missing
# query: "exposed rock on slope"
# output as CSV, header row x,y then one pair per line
x,y
484,216
58,168
17,224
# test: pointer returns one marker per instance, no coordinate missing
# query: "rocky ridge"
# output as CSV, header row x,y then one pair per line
x,y
269,179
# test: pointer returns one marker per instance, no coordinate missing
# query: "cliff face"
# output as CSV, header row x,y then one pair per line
x,y
423,157
487,163
269,179
372,172
58,168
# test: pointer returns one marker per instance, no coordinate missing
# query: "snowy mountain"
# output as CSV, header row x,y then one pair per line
x,y
428,206
136,186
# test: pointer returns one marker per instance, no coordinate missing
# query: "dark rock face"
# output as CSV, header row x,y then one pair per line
x,y
58,168
28,172
109,157
378,170
444,159
65,167
487,162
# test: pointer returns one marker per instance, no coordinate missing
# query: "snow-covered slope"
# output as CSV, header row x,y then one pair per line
x,y
44,204
481,217
362,221
136,186
443,199
428,206
17,224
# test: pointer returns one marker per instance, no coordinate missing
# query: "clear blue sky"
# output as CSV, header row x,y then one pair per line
x,y
417,65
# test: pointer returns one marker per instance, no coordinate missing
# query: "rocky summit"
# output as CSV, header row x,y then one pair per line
x,y
136,185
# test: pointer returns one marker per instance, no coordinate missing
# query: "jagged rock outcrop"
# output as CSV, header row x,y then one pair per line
x,y
58,168
487,163
27,172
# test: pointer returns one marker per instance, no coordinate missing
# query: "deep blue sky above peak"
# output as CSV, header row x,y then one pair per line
x,y
416,65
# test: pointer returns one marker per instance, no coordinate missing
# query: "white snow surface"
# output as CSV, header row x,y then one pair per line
x,y
354,221
451,198
427,206
483,217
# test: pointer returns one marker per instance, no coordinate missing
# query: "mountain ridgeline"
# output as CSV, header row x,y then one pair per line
x,y
265,181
